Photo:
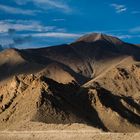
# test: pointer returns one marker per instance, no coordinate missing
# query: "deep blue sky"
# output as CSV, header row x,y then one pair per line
x,y
39,23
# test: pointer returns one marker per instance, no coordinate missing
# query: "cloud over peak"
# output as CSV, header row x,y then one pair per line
x,y
57,35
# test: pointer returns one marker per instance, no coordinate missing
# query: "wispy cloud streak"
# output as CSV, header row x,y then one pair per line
x,y
56,35
15,10
23,25
47,4
135,30
119,8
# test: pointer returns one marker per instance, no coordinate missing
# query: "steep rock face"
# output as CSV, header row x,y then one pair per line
x,y
116,112
36,99
44,100
29,98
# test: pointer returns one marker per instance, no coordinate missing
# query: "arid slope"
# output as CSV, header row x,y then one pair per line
x,y
94,81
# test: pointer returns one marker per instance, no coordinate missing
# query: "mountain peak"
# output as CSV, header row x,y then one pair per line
x,y
93,37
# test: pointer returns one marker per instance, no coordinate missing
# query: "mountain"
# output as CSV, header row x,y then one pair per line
x,y
93,81
1,48
102,37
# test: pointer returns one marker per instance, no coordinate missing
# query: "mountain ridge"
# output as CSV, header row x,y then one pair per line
x,y
93,81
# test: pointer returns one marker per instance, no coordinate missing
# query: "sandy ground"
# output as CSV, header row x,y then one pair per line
x,y
41,131
66,135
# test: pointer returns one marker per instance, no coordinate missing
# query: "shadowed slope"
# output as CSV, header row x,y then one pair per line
x,y
86,58
45,100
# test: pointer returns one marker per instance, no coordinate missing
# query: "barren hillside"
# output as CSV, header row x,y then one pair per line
x,y
93,81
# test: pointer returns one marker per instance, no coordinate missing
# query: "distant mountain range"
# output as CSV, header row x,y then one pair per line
x,y
1,48
94,80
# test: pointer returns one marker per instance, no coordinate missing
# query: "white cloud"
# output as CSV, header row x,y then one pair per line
x,y
59,19
135,29
56,35
47,4
119,8
135,12
23,25
125,36
4,41
13,10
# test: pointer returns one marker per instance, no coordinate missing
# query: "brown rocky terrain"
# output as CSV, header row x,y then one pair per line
x,y
94,81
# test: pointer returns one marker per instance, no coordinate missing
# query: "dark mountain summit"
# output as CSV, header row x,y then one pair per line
x,y
100,37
